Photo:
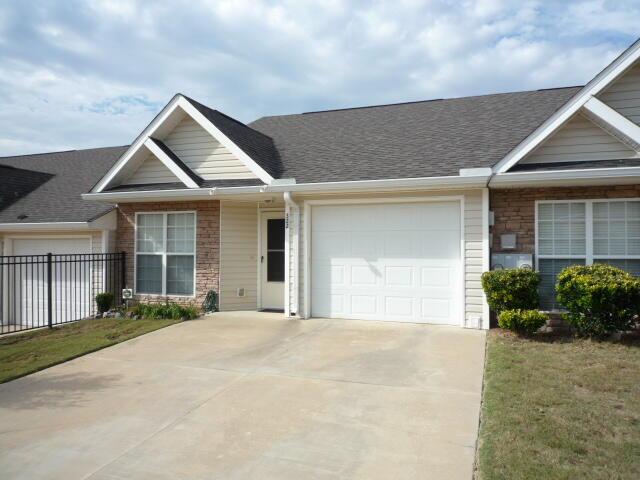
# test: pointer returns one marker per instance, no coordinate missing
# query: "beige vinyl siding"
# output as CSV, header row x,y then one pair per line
x,y
623,95
238,255
474,296
204,154
151,170
579,140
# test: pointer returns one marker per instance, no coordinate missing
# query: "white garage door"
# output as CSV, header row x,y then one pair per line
x,y
71,282
395,262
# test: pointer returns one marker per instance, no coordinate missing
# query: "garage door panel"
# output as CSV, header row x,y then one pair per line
x,y
399,275
407,268
364,276
399,306
361,245
436,277
438,310
70,282
331,245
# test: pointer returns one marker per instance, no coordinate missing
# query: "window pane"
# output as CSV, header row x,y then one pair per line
x,y
549,270
180,232
631,266
616,228
275,266
275,234
562,229
150,233
179,275
149,274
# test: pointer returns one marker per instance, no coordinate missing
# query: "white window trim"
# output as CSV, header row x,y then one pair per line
x,y
588,257
164,255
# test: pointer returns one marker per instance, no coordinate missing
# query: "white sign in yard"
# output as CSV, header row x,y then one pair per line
x,y
127,293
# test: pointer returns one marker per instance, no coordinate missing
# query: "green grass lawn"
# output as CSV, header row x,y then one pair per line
x,y
560,408
25,353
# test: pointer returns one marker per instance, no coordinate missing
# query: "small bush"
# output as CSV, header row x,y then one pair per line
x,y
104,301
600,299
168,310
522,321
511,289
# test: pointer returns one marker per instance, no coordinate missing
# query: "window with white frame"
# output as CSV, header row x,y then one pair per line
x,y
582,233
165,253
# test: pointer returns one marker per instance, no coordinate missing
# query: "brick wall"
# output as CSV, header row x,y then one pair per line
x,y
514,209
207,243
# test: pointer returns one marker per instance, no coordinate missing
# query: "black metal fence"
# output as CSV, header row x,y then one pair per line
x,y
46,290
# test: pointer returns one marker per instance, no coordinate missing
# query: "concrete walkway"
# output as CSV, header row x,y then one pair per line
x,y
253,396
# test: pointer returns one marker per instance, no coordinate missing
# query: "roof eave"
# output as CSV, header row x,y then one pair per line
x,y
422,183
567,178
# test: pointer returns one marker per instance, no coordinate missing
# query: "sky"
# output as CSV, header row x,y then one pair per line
x,y
83,74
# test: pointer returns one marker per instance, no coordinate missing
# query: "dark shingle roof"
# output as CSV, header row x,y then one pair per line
x,y
257,145
15,183
419,139
58,199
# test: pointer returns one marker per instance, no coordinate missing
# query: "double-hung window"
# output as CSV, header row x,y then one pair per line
x,y
165,253
585,232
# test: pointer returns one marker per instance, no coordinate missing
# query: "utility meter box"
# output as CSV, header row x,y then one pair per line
x,y
501,261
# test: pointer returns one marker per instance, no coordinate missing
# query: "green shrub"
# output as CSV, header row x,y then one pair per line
x,y
600,299
104,301
168,310
511,289
522,321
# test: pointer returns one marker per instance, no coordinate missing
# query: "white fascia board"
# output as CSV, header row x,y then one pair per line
x,y
137,144
555,121
193,112
107,221
427,183
48,226
170,164
423,183
619,123
565,178
147,195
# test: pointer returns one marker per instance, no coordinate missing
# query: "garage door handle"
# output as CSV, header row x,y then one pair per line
x,y
262,259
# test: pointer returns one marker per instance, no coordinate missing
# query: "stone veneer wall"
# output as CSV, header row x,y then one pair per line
x,y
207,244
514,209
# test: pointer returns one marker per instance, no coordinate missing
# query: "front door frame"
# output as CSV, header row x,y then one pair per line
x,y
268,214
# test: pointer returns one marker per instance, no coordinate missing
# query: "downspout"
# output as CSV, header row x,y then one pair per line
x,y
292,217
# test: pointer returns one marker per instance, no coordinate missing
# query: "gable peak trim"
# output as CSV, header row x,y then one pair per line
x,y
602,80
182,102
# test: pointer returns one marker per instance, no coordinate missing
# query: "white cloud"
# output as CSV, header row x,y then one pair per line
x,y
78,74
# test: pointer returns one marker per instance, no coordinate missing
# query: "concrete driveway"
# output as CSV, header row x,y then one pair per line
x,y
253,396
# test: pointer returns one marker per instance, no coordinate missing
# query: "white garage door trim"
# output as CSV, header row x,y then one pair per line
x,y
308,220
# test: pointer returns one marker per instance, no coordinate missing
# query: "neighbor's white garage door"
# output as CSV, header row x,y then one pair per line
x,y
71,282
394,261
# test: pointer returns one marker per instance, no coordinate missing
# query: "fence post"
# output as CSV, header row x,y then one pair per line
x,y
123,274
49,292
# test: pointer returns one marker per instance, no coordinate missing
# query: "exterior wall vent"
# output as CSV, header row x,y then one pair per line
x,y
240,292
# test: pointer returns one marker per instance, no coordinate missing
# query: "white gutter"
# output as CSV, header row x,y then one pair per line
x,y
565,178
428,183
46,226
292,249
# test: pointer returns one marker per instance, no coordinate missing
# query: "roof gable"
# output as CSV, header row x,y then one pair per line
x,y
579,140
161,128
585,101
203,154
